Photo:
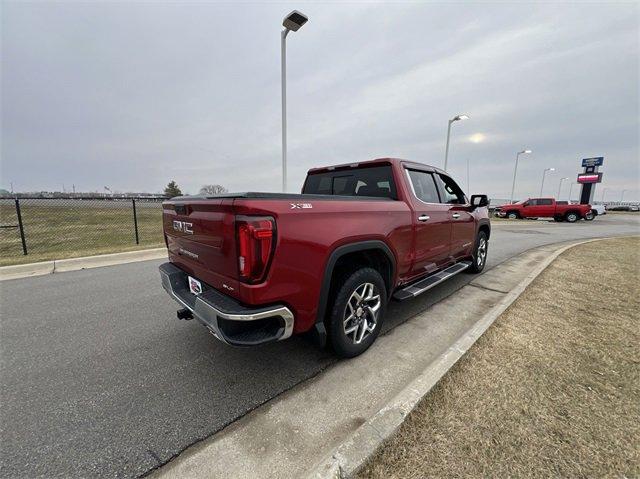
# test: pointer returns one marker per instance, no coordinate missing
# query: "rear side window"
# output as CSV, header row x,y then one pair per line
x,y
424,186
452,192
373,181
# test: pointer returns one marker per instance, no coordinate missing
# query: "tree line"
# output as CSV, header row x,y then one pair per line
x,y
172,190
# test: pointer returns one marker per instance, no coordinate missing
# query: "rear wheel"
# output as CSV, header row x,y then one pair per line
x,y
357,312
480,253
571,217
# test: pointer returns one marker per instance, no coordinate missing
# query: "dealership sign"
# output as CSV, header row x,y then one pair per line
x,y
597,161
589,177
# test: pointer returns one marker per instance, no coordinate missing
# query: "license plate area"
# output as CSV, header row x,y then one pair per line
x,y
195,286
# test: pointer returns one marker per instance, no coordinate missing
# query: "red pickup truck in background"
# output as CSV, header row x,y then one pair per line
x,y
259,267
545,208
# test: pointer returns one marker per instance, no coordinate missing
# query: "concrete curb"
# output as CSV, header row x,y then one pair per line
x,y
74,264
349,457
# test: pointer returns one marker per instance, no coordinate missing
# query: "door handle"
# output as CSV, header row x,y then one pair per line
x,y
423,218
455,216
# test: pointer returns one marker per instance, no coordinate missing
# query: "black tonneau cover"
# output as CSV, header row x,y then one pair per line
x,y
281,196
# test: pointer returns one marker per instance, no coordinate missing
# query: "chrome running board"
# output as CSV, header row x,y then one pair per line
x,y
425,284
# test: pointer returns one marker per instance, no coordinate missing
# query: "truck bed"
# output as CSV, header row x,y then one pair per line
x,y
280,196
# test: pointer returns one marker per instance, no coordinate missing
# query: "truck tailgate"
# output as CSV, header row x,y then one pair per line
x,y
200,237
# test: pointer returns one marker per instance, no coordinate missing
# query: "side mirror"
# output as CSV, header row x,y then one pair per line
x,y
478,201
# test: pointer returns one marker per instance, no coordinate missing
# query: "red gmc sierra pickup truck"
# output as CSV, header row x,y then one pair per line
x,y
546,208
259,267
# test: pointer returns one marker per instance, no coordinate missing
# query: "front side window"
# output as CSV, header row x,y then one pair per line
x,y
451,191
545,202
424,186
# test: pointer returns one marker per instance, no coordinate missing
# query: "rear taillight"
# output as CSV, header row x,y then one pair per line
x,y
256,241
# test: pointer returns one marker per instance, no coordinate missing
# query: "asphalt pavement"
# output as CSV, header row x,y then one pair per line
x,y
99,379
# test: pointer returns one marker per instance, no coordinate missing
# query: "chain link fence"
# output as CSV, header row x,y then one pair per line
x,y
36,229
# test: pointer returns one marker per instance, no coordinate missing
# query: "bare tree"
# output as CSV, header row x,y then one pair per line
x,y
210,190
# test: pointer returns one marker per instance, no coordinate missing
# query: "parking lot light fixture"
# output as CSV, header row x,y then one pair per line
x,y
622,196
604,190
446,149
544,173
291,23
515,170
560,187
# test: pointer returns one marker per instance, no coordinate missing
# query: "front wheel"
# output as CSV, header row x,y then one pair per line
x,y
357,312
480,253
512,215
571,217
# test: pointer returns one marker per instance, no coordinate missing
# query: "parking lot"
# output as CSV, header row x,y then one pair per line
x,y
100,379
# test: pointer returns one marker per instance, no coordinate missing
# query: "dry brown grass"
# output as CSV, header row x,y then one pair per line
x,y
551,390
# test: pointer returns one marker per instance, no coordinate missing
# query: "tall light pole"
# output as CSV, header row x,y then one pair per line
x,y
570,190
603,192
544,173
622,195
515,170
446,149
291,23
560,187
468,187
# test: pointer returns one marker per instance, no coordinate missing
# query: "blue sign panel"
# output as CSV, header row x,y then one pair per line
x,y
597,161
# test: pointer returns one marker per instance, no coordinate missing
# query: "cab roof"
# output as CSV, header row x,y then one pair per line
x,y
378,161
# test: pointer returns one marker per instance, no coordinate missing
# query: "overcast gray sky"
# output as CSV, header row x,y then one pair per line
x,y
132,95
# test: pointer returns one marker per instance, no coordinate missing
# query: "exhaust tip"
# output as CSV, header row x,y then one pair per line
x,y
184,314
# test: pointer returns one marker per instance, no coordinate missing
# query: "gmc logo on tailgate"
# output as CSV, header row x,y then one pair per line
x,y
183,227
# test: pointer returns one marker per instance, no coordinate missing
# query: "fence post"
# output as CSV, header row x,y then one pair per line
x,y
24,241
135,219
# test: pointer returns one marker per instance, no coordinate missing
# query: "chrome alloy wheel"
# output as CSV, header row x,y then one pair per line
x,y
361,312
481,255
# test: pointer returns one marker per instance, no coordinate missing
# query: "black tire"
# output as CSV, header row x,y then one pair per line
x,y
512,215
344,344
479,256
571,217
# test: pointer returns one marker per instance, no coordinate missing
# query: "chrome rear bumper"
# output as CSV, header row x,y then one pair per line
x,y
227,319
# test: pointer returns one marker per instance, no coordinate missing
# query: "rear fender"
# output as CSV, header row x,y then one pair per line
x,y
319,330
